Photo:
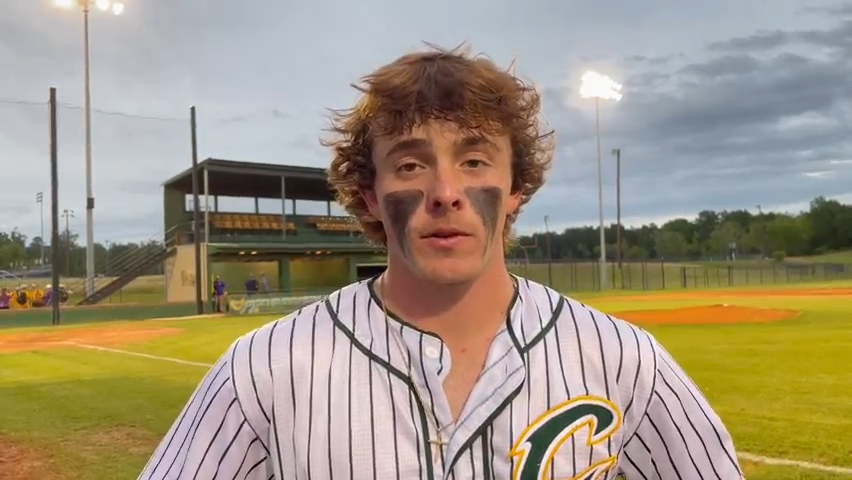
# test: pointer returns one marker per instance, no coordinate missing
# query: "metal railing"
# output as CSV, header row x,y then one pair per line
x,y
116,266
661,275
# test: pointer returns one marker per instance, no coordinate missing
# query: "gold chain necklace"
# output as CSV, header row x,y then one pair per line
x,y
432,419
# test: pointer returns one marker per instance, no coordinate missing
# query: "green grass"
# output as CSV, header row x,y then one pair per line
x,y
782,389
654,275
833,257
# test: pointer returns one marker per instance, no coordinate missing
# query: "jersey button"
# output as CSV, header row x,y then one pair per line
x,y
432,352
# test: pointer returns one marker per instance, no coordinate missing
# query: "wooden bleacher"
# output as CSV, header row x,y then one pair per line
x,y
248,221
334,224
265,222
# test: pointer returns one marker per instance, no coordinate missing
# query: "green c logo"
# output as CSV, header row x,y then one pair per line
x,y
540,441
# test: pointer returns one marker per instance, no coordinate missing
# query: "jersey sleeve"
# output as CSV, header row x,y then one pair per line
x,y
680,436
211,438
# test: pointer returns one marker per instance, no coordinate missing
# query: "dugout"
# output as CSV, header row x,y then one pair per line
x,y
260,218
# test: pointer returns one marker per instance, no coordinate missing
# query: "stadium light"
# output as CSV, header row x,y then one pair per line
x,y
598,86
116,8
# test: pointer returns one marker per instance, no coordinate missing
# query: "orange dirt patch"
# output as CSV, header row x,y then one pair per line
x,y
709,314
105,336
124,438
746,293
21,463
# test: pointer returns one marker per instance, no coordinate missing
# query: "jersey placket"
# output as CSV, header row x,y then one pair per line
x,y
430,365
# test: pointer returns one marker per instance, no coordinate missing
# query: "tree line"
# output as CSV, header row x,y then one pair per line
x,y
825,227
726,235
21,256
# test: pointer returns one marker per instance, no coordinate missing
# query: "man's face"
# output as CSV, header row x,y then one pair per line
x,y
443,196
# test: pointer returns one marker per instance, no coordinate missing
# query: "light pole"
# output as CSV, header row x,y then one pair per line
x,y
40,202
619,253
68,215
762,233
549,256
116,8
597,86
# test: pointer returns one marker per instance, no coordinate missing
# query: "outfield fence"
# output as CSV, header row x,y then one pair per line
x,y
661,275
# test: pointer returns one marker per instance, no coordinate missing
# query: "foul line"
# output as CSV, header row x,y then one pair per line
x,y
795,463
743,455
137,354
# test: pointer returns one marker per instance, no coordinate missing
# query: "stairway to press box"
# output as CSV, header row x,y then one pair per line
x,y
132,269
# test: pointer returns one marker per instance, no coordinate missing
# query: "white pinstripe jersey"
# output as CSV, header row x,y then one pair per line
x,y
566,392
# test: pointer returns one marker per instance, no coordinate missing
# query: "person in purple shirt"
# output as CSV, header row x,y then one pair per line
x,y
5,299
251,285
48,295
219,293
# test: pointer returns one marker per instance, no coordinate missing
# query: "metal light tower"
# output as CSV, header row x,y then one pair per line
x,y
40,202
116,8
68,214
620,252
597,86
549,254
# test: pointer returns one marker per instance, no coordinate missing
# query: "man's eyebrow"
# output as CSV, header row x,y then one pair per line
x,y
407,145
475,141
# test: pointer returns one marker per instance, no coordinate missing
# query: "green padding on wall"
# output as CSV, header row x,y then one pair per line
x,y
313,273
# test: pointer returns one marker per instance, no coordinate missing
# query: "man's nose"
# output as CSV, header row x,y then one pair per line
x,y
446,192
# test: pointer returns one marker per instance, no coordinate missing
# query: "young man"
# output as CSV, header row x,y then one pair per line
x,y
445,366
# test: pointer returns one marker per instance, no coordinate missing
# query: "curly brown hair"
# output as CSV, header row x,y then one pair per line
x,y
469,91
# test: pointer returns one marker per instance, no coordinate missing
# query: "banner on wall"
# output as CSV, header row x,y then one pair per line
x,y
259,304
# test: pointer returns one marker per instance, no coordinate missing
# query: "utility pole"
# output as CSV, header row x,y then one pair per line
x,y
67,214
54,210
196,213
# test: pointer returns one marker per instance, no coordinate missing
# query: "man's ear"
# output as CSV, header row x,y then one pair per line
x,y
513,202
372,202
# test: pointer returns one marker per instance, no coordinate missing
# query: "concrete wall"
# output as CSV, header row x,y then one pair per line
x,y
180,275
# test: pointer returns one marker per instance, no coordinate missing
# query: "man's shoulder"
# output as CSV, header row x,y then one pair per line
x,y
306,326
591,329
280,347
612,330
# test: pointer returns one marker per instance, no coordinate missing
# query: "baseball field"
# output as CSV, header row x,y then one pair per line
x,y
91,400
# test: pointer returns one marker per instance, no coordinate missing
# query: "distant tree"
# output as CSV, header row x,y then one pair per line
x,y
669,244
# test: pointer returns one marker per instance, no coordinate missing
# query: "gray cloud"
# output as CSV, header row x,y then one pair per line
x,y
739,127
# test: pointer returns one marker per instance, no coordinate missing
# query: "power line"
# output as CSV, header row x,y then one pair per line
x,y
21,102
273,112
97,110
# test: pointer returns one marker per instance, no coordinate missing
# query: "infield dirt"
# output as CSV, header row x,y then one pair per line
x,y
21,463
733,293
706,314
102,336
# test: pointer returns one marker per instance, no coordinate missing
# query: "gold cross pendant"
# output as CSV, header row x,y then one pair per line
x,y
438,444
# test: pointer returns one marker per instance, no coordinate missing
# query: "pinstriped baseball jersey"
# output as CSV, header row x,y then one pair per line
x,y
337,391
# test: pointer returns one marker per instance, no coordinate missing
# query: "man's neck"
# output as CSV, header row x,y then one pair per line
x,y
444,309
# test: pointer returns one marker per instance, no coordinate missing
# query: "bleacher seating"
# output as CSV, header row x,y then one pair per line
x,y
266,222
334,224
246,221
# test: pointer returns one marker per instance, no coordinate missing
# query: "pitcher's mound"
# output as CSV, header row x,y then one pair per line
x,y
707,314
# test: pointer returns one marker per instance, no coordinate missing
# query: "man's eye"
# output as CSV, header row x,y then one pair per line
x,y
474,163
408,167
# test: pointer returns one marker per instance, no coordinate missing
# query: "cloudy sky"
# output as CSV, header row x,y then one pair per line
x,y
727,104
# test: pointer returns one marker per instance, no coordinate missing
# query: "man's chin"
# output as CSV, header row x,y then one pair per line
x,y
450,271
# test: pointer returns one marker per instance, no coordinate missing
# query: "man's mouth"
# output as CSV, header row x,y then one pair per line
x,y
446,233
